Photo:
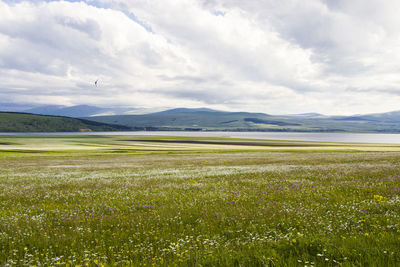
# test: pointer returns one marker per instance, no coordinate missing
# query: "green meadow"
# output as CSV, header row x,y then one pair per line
x,y
181,201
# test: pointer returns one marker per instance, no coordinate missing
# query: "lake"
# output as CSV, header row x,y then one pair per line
x,y
324,137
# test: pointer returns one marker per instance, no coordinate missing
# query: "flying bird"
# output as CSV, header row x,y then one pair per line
x,y
95,83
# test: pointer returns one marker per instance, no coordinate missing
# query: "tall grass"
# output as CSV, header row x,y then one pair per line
x,y
208,209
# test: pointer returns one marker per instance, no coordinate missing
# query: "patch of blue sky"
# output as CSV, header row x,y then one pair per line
x,y
219,13
98,4
133,17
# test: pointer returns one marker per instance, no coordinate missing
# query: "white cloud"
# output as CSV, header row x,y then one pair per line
x,y
262,55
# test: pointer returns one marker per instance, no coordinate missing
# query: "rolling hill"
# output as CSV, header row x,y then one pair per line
x,y
204,119
190,119
24,122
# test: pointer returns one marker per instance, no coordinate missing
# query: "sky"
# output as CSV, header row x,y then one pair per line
x,y
335,57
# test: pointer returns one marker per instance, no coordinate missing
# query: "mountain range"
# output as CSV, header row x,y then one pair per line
x,y
215,120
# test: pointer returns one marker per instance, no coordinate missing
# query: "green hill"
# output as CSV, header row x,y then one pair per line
x,y
210,120
24,122
181,119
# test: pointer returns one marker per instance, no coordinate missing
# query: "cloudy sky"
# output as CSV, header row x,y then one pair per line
x,y
272,56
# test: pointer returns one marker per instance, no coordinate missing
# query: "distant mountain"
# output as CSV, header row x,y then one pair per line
x,y
23,122
308,115
79,111
74,111
141,111
188,110
44,110
209,119
86,111
205,119
388,117
15,107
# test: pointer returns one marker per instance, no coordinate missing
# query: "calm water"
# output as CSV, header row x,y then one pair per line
x,y
326,137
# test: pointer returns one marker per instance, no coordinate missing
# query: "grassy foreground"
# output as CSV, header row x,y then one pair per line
x,y
117,200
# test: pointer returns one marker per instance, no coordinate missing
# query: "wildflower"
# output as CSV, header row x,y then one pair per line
x,y
299,234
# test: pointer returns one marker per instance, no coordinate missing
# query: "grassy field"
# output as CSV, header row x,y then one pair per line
x,y
164,201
